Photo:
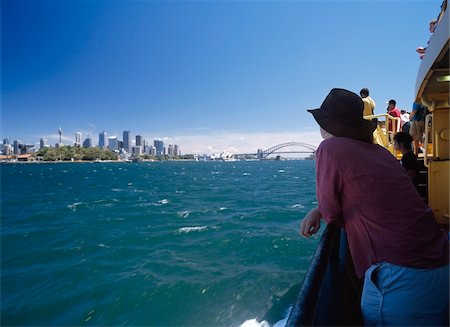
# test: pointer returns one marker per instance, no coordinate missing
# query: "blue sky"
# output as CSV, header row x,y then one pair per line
x,y
207,75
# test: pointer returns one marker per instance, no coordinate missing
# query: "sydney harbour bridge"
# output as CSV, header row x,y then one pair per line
x,y
283,148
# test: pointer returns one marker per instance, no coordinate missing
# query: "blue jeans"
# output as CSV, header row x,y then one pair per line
x,y
401,296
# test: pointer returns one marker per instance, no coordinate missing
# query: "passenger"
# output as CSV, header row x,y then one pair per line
x,y
397,245
417,125
403,143
369,104
432,27
405,124
394,112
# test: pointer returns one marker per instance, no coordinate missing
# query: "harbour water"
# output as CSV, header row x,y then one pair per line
x,y
153,243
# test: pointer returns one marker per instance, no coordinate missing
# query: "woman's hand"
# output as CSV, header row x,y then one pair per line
x,y
311,223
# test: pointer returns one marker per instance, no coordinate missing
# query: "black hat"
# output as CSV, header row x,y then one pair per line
x,y
341,114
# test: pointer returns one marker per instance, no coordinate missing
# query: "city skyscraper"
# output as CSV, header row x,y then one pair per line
x,y
159,146
78,139
42,143
60,134
139,140
113,143
127,141
102,137
87,143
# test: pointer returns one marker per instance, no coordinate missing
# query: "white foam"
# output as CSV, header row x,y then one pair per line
x,y
298,205
255,323
192,229
74,205
183,214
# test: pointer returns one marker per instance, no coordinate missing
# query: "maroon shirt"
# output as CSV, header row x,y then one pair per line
x,y
364,189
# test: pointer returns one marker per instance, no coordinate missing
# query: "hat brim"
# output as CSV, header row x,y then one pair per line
x,y
365,128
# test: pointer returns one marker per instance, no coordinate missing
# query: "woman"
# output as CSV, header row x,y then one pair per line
x,y
393,237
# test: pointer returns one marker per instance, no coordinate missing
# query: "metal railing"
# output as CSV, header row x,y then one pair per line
x,y
384,135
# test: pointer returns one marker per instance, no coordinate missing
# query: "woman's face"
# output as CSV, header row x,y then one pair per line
x,y
325,134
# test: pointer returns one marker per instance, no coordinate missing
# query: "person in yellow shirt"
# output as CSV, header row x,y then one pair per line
x,y
369,104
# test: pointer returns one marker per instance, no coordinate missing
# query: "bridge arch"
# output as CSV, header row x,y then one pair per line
x,y
275,149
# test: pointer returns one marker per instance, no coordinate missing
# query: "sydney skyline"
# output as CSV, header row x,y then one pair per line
x,y
209,76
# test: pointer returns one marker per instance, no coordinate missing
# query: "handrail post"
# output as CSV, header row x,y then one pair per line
x,y
428,118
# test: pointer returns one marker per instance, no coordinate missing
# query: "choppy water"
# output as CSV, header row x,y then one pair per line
x,y
162,243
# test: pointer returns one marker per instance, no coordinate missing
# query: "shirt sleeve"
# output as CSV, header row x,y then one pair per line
x,y
328,185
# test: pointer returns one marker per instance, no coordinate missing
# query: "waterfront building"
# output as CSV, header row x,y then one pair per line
x,y
87,143
6,149
159,145
170,150
102,137
77,139
16,146
152,151
113,143
42,143
137,150
139,140
127,141
176,150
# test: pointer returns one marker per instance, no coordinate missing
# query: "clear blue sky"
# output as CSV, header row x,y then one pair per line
x,y
208,75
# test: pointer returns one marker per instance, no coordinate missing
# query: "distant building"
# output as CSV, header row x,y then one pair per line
x,y
159,146
113,143
60,135
176,150
102,138
16,146
139,140
42,143
87,143
127,141
77,139
6,149
137,150
170,150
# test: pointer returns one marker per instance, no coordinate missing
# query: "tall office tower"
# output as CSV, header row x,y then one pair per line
x,y
127,141
159,145
60,134
16,146
176,150
87,143
77,139
102,137
139,140
113,143
152,150
7,140
42,143
170,150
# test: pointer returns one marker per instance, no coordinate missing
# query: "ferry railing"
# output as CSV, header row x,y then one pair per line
x,y
383,135
331,292
435,138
